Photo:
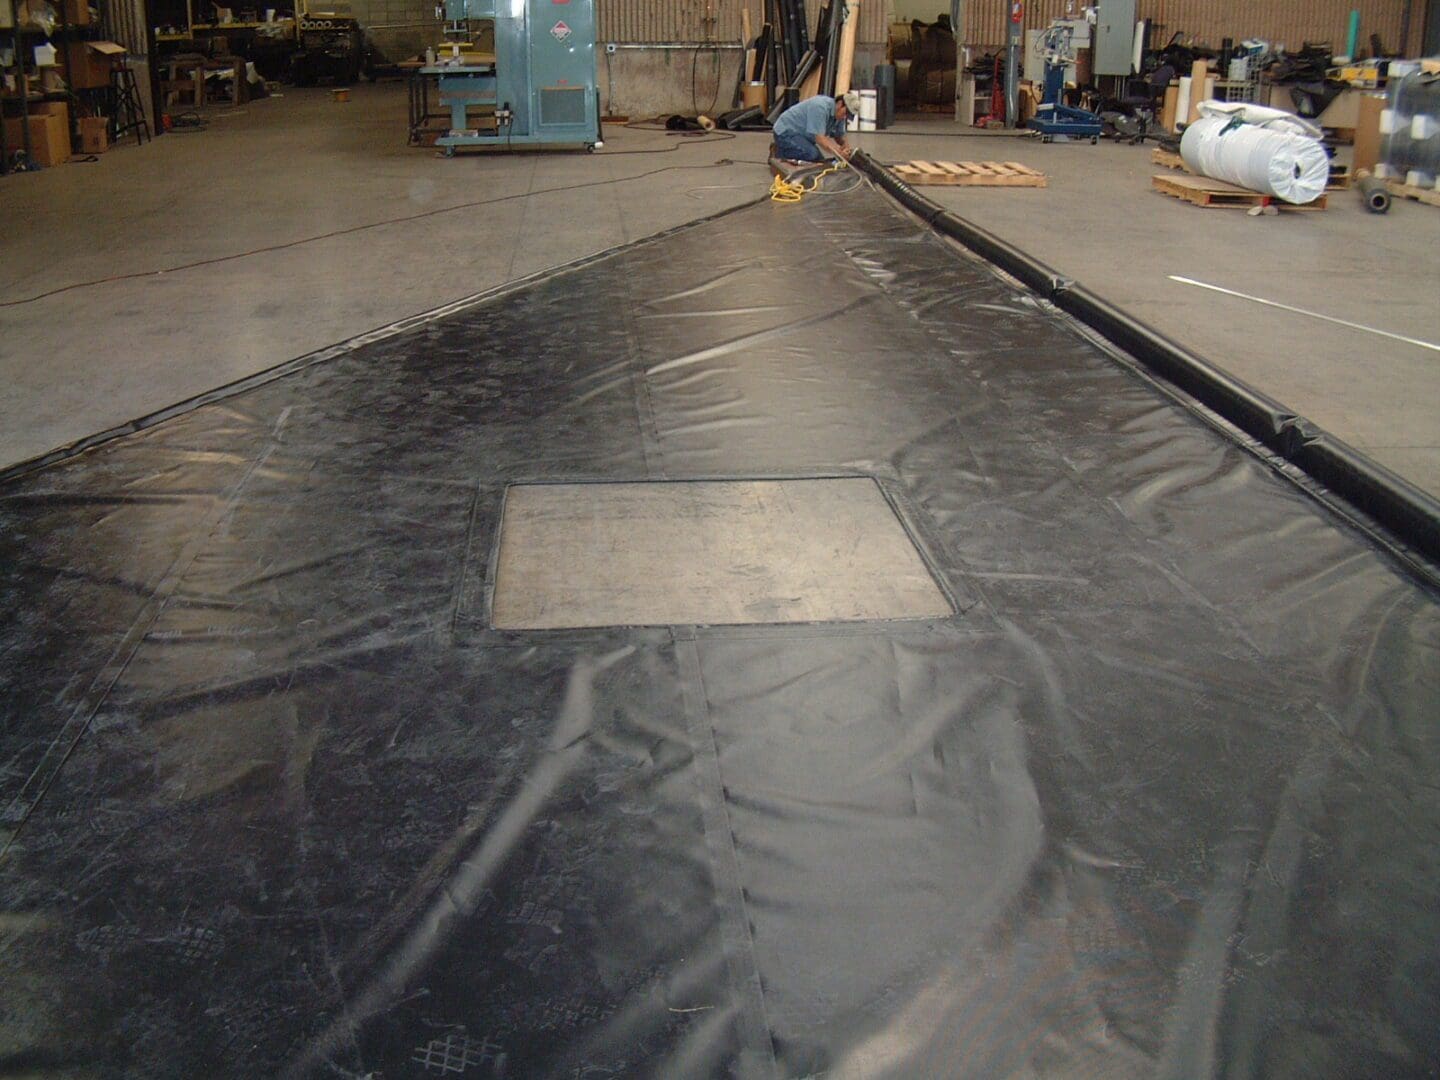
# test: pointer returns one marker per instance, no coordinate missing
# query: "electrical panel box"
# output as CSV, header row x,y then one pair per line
x,y
1115,37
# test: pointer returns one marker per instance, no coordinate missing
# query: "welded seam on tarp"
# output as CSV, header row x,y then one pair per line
x,y
349,345
23,805
1409,516
651,446
757,1053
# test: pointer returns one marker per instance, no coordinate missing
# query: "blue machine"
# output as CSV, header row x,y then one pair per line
x,y
538,87
1053,118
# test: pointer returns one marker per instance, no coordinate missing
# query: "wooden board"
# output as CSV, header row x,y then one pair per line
x,y
1199,84
1202,191
845,64
1172,103
811,86
1404,191
970,174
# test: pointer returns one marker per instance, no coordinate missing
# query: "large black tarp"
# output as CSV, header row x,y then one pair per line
x,y
1161,798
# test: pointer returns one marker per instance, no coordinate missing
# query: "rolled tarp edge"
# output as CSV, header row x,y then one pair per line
x,y
1410,513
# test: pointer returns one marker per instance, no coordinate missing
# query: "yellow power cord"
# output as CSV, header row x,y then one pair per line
x,y
783,191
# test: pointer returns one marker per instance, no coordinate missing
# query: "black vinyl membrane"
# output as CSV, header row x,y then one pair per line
x,y
1159,800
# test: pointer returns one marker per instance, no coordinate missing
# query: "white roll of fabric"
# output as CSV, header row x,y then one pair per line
x,y
1265,150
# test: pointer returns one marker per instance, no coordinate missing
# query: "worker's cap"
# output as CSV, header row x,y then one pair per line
x,y
852,102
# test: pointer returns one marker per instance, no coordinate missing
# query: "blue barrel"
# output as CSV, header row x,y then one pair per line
x,y
885,87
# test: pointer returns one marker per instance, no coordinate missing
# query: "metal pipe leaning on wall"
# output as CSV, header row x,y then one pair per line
x,y
1260,149
1411,515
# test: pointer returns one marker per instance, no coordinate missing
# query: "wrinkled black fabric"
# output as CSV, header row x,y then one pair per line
x,y
1160,800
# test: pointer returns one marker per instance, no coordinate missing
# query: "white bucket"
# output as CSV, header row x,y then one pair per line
x,y
869,107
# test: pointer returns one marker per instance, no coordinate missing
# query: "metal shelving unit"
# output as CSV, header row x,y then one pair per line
x,y
16,35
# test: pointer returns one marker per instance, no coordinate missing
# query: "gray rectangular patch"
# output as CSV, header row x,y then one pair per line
x,y
706,553
562,106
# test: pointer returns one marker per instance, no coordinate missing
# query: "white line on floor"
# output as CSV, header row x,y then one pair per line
x,y
1313,314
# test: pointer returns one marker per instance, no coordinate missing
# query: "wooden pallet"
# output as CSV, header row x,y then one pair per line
x,y
1167,159
970,174
1203,191
1402,190
1340,178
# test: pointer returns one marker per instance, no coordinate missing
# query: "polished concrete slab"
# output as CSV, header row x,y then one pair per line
x,y
720,552
285,226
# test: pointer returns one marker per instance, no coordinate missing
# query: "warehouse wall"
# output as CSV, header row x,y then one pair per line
x,y
640,82
398,28
651,82
1291,22
713,20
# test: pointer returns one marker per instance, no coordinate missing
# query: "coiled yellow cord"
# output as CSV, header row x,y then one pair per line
x,y
784,191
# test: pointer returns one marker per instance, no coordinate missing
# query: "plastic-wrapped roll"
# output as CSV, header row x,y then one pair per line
x,y
1410,150
1260,149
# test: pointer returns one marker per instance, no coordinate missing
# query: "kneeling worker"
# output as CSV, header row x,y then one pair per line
x,y
814,129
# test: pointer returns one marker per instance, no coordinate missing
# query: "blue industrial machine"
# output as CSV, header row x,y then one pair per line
x,y
537,86
1053,118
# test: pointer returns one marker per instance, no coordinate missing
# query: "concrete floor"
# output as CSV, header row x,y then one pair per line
x,y
275,172
1100,223
280,171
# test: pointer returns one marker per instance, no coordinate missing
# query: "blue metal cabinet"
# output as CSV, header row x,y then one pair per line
x,y
542,82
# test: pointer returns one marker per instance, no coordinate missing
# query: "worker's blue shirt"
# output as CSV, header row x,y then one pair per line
x,y
811,117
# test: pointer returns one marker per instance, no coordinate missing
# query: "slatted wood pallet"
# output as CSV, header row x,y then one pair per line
x,y
1340,178
1404,191
970,174
1167,159
1203,191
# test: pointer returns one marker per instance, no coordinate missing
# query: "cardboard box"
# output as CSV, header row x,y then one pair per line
x,y
49,137
76,12
87,63
1367,132
94,134
52,108
1029,102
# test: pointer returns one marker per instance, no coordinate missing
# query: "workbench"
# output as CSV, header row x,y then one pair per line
x,y
419,77
418,85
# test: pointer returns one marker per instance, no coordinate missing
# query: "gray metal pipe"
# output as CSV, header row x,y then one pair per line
x,y
1375,194
686,45
1014,52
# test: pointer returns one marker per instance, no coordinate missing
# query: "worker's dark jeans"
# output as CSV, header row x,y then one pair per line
x,y
795,148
